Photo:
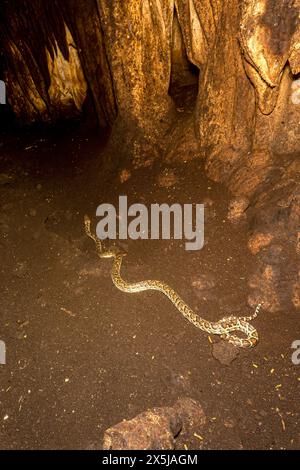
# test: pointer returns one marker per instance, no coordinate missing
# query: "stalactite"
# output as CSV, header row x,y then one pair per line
x,y
47,43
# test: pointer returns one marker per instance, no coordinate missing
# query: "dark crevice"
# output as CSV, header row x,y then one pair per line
x,y
183,72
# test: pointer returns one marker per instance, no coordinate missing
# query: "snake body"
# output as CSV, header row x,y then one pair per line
x,y
223,327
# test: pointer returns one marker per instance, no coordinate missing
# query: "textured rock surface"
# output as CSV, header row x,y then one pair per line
x,y
115,59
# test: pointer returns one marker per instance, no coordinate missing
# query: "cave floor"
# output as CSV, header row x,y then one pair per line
x,y
81,355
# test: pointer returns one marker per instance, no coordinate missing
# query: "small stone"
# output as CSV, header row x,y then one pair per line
x,y
191,413
224,352
156,429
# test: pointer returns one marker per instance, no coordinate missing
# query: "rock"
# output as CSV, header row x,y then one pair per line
x,y
191,414
258,241
237,209
167,179
155,429
224,352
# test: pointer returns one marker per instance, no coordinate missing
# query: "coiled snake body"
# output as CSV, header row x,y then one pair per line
x,y
224,327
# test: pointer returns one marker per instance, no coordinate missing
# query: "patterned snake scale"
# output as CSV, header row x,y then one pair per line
x,y
224,327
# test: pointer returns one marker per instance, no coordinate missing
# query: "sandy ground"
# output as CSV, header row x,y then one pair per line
x,y
81,355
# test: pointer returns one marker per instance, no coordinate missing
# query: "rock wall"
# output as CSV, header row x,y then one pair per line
x,y
254,149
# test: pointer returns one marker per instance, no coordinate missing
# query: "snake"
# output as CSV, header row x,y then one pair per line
x,y
225,327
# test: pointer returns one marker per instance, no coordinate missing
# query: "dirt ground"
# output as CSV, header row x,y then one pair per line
x,y
81,355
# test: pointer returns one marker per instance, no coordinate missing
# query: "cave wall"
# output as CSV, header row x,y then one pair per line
x,y
226,102
52,53
254,150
